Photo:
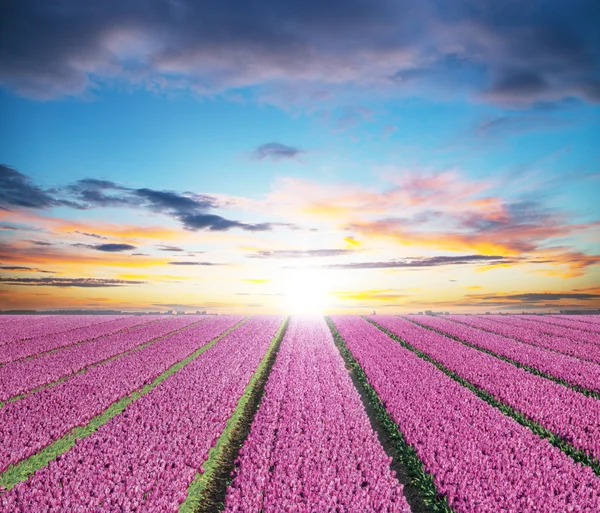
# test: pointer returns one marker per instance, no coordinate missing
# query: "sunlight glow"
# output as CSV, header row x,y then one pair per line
x,y
307,291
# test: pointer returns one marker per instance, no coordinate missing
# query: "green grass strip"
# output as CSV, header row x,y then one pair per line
x,y
21,471
577,455
419,477
102,362
208,490
585,391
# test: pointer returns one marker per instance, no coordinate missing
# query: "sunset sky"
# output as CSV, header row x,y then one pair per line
x,y
257,157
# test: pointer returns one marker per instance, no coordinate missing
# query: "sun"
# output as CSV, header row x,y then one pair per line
x,y
307,291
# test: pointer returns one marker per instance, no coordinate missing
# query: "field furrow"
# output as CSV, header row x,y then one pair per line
x,y
37,420
24,376
590,319
481,460
581,350
562,411
566,323
145,458
29,327
540,327
46,343
311,446
580,374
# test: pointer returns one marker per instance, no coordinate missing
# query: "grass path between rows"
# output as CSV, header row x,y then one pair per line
x,y
208,490
21,471
433,500
96,364
577,455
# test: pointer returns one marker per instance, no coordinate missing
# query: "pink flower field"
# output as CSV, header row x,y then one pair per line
x,y
268,413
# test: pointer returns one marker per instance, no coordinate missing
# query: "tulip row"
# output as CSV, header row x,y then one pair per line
x,y
594,320
537,325
562,345
311,446
37,420
6,319
580,374
145,458
481,460
27,327
560,410
24,376
51,342
566,323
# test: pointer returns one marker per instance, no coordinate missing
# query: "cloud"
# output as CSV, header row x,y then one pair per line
x,y
540,296
276,151
162,247
423,262
18,268
217,223
193,263
93,235
300,253
516,124
352,117
304,50
40,243
17,190
108,248
68,282
192,210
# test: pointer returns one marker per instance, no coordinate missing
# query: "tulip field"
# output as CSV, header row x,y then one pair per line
x,y
269,413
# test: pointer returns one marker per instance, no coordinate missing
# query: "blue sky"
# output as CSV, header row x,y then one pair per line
x,y
453,166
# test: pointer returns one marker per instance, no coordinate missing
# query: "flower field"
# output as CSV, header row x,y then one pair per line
x,y
458,413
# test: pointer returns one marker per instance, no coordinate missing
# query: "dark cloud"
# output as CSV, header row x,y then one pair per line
x,y
300,253
423,262
522,82
217,223
510,51
276,151
17,190
112,248
40,243
194,263
68,282
190,209
168,201
162,247
93,235
18,268
108,248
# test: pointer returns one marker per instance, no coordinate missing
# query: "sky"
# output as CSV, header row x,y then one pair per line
x,y
299,156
